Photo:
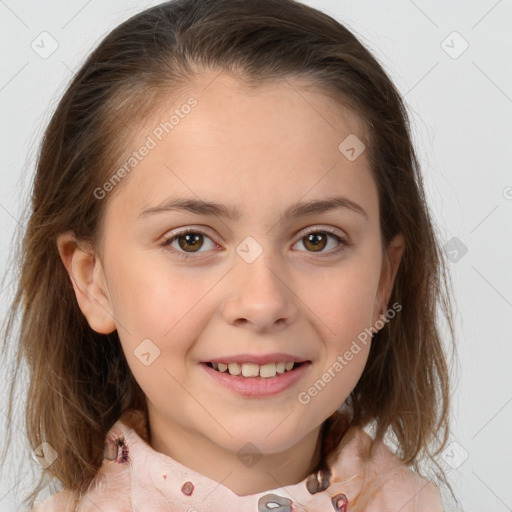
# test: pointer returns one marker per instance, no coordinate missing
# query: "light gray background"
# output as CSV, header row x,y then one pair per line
x,y
461,108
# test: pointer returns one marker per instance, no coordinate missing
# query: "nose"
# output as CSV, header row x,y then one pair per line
x,y
259,295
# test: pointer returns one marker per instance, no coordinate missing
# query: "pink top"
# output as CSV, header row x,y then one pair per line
x,y
134,477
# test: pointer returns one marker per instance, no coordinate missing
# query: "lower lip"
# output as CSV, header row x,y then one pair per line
x,y
257,386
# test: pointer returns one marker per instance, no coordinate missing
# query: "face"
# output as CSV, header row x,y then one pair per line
x,y
258,284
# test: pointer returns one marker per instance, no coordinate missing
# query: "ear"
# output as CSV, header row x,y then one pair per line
x,y
390,264
87,277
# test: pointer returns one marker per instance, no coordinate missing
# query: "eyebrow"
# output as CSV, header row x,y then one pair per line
x,y
298,209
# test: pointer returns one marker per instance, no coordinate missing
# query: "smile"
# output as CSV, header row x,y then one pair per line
x,y
266,371
256,385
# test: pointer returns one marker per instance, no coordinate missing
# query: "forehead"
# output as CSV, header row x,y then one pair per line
x,y
286,100
241,144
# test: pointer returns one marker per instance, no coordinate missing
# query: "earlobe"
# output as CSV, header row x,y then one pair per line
x,y
395,253
87,277
390,266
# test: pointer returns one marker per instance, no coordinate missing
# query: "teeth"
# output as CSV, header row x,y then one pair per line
x,y
234,369
268,370
250,370
254,370
280,367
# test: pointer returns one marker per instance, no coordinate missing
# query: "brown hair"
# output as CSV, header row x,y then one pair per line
x,y
79,380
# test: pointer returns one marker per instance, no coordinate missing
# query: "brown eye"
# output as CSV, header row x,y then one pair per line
x,y
190,241
316,241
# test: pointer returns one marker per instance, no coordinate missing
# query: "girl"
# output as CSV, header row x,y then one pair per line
x,y
230,276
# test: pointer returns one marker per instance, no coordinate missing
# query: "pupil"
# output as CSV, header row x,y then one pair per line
x,y
315,239
193,238
311,237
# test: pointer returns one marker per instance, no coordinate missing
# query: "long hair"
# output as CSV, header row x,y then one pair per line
x,y
79,380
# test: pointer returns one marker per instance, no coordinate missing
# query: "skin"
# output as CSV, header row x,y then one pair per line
x,y
261,150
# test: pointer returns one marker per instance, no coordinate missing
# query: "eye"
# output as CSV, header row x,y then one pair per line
x,y
317,240
189,242
188,239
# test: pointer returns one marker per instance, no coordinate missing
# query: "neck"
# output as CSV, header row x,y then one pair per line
x,y
251,473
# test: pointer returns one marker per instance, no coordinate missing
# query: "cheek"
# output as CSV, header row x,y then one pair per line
x,y
160,320
149,296
344,315
343,300
160,304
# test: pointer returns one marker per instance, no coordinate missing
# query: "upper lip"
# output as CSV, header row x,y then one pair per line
x,y
257,359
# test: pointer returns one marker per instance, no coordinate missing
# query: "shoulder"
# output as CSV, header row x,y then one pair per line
x,y
381,482
401,485
63,501
111,487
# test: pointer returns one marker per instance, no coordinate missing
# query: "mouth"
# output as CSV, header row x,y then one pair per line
x,y
256,371
253,381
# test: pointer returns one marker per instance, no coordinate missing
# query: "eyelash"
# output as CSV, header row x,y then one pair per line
x,y
168,241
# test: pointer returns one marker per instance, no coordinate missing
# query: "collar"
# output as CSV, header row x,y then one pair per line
x,y
134,476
